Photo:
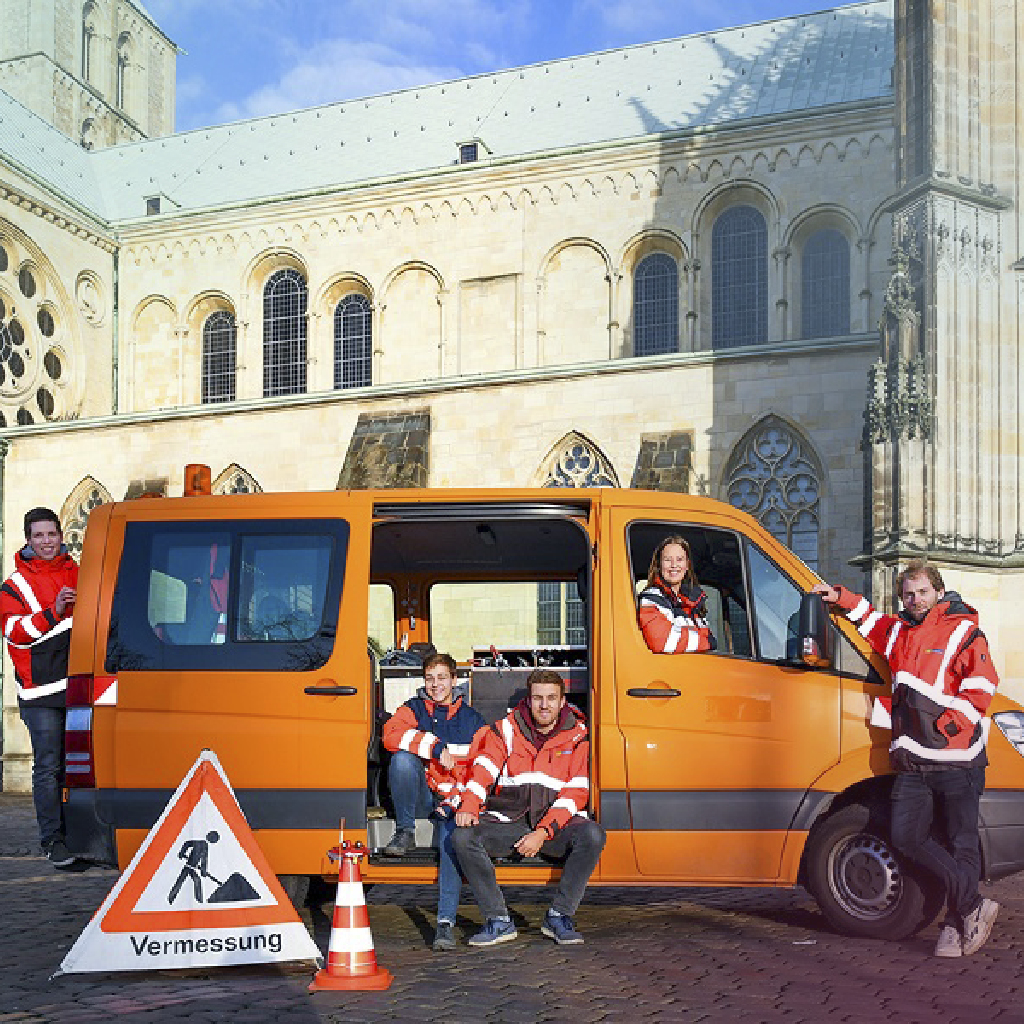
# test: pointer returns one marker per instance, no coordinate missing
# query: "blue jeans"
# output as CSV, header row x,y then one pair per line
x,y
407,778
916,796
46,731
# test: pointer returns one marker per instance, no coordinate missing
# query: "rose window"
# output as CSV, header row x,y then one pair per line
x,y
33,356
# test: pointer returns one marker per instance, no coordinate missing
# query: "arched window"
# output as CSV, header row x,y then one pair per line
x,y
739,278
284,334
219,340
825,292
655,305
776,478
353,342
75,512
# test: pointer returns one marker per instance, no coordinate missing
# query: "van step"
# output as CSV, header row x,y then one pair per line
x,y
417,857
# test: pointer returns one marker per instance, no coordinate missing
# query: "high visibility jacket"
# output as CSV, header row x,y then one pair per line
x,y
512,779
674,623
425,728
38,639
943,680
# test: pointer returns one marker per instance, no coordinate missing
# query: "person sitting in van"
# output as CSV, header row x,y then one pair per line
x,y
430,738
672,611
527,795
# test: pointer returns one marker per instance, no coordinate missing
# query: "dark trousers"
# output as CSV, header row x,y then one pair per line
x,y
46,730
580,842
955,792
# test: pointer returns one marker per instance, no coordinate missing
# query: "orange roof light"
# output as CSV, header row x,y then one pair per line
x,y
197,480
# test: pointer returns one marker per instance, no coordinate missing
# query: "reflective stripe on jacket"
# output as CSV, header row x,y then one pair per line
x,y
511,779
38,639
425,728
674,623
943,680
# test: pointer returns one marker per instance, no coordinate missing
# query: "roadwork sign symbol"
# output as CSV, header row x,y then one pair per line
x,y
198,893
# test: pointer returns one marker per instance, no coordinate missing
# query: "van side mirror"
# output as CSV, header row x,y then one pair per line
x,y
815,633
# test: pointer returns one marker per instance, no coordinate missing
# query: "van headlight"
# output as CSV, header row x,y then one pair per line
x,y
1011,725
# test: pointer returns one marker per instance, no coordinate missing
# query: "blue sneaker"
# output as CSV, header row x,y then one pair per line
x,y
496,930
560,928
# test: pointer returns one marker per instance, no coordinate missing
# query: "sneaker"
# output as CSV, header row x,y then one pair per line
x,y
401,843
560,928
58,854
949,944
444,937
978,925
496,930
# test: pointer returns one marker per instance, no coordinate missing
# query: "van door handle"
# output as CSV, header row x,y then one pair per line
x,y
652,691
331,691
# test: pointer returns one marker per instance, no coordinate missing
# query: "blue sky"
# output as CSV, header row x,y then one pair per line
x,y
247,58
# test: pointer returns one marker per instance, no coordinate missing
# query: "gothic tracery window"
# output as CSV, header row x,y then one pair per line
x,y
235,480
577,463
75,512
353,342
655,305
284,334
775,477
825,285
739,278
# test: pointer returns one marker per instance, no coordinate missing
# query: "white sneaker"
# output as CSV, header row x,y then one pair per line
x,y
950,944
978,925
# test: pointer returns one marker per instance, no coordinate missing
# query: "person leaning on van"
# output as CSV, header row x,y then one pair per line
x,y
943,681
36,604
430,737
672,611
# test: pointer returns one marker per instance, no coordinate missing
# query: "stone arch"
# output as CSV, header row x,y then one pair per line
x,y
643,244
576,461
74,513
336,287
801,231
234,479
775,474
262,266
574,310
407,342
716,203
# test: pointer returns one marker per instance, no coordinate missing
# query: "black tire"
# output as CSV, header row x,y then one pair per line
x,y
296,888
862,887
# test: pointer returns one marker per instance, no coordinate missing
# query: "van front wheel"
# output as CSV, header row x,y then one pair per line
x,y
858,881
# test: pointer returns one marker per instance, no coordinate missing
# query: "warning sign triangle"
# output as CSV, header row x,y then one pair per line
x,y
198,893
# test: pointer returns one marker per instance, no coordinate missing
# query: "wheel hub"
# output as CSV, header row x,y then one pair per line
x,y
865,876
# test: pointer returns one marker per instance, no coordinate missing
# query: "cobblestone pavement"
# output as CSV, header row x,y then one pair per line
x,y
650,955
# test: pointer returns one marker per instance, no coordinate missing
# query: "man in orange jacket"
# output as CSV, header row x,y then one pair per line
x,y
527,794
36,605
943,681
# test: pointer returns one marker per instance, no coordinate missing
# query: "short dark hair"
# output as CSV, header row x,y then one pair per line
x,y
441,659
919,567
544,677
40,515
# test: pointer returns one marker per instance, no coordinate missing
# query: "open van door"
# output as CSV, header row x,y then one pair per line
x,y
239,626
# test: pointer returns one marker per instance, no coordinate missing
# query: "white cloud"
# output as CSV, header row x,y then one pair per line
x,y
336,70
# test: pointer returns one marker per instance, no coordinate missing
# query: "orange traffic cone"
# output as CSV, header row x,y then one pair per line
x,y
351,961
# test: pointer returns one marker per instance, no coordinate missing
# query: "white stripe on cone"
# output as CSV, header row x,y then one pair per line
x,y
351,940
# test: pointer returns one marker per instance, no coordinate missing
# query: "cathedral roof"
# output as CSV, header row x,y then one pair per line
x,y
764,71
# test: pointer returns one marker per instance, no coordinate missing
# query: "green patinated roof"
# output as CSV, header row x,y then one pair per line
x,y
764,70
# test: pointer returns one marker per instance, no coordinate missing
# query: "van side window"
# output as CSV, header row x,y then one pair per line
x,y
776,608
719,568
254,596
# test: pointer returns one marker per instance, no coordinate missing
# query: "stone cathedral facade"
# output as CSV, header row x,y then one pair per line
x,y
779,264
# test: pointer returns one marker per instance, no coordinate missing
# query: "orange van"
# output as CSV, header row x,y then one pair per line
x,y
264,627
